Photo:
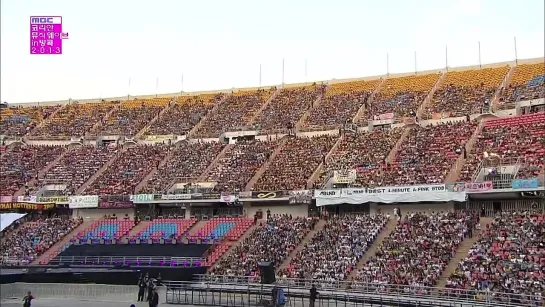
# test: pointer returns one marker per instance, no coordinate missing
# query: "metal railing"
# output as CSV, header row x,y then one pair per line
x,y
491,298
134,260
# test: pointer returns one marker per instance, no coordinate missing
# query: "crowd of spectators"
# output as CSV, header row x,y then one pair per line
x,y
353,153
183,115
466,92
295,163
131,117
288,107
76,167
31,239
271,242
401,96
17,121
186,163
428,154
23,163
527,82
418,249
239,164
129,168
508,139
341,103
73,120
335,250
508,258
235,113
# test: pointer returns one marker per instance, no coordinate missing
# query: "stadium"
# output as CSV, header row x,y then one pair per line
x,y
421,189
405,187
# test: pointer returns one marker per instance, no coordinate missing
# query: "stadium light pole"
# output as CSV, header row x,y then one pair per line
x,y
387,64
182,85
259,75
446,57
283,63
156,87
129,90
415,70
480,64
516,55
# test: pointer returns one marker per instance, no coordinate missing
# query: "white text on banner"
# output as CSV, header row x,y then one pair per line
x,y
83,201
408,194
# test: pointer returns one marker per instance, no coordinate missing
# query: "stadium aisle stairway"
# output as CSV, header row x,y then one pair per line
x,y
373,248
319,226
462,252
139,228
54,250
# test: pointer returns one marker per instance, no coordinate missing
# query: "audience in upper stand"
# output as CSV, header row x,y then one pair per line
x,y
183,115
466,92
239,164
341,103
22,163
288,107
428,154
527,82
32,239
336,249
129,168
187,162
271,242
77,166
73,120
18,121
401,96
417,251
508,258
131,117
237,112
295,163
353,153
508,139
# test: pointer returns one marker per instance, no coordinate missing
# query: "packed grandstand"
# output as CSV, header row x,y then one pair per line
x,y
429,129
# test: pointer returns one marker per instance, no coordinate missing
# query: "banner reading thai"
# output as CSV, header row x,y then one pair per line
x,y
402,194
26,206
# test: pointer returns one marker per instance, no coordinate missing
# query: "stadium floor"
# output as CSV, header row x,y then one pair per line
x,y
66,302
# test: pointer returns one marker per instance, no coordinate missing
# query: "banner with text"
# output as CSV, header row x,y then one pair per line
x,y
26,206
228,198
303,197
387,195
142,198
83,201
62,200
478,186
115,205
525,184
344,176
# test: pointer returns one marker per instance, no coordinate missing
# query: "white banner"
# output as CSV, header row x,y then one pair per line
x,y
83,201
227,198
387,195
344,176
176,196
325,194
7,219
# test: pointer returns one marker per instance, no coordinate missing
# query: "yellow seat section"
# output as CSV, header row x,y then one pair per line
x,y
74,120
352,87
465,92
17,121
526,83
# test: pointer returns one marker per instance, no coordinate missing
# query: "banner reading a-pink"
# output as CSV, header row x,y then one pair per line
x,y
479,186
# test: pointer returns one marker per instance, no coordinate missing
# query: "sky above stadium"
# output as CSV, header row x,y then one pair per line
x,y
221,44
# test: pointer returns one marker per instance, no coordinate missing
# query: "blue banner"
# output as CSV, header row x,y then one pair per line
x,y
524,183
